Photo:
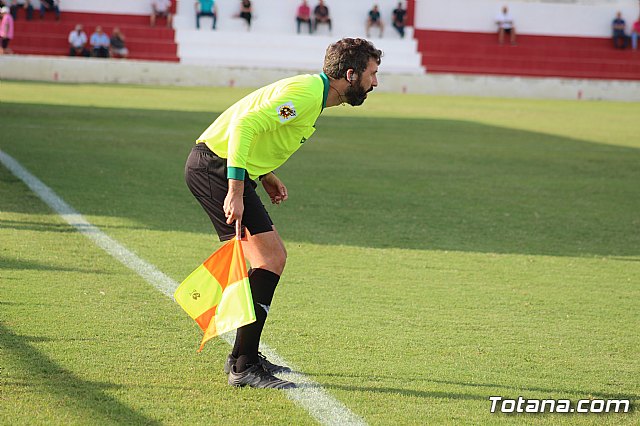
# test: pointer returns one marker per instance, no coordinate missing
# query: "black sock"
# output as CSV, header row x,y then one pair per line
x,y
263,285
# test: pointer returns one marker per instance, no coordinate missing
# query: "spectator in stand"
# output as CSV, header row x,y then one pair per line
x,y
100,43
206,8
162,9
619,36
635,32
26,4
117,48
50,5
374,20
398,17
78,42
321,15
246,12
504,20
6,30
304,16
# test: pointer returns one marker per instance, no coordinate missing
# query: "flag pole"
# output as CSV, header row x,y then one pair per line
x,y
238,230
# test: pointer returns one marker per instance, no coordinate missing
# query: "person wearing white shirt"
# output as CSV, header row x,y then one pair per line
x,y
77,42
504,20
161,8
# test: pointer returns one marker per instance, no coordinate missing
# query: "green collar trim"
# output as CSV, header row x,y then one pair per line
x,y
325,81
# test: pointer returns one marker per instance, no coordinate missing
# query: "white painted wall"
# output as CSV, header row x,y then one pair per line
x,y
85,70
586,18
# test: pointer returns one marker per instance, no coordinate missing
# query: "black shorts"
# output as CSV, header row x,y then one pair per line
x,y
5,42
206,177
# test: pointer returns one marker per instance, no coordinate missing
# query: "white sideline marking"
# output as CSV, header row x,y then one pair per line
x,y
310,395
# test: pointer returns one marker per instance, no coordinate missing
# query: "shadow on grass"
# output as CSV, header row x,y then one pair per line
x,y
371,182
10,263
513,391
547,391
89,399
26,225
407,392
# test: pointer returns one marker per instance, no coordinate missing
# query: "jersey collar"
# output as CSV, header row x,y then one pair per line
x,y
325,82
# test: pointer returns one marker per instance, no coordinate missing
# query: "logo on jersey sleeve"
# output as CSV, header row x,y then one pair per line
x,y
286,112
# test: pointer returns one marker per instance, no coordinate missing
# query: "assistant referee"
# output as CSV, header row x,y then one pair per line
x,y
249,141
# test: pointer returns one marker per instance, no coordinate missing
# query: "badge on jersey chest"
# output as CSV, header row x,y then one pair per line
x,y
286,112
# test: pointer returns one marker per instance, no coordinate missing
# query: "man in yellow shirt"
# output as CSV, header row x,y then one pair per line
x,y
249,141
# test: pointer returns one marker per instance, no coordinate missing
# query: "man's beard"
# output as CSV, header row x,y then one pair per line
x,y
356,94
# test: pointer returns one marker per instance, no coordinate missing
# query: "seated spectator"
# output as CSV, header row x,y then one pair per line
x,y
53,5
619,36
635,32
117,48
398,17
6,30
162,9
505,26
321,15
78,42
304,16
246,12
17,4
374,21
206,8
100,43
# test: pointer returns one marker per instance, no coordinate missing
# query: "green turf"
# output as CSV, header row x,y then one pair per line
x,y
441,250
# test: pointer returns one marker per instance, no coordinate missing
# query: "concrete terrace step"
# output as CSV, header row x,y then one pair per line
x,y
49,37
129,30
143,56
302,52
448,69
479,53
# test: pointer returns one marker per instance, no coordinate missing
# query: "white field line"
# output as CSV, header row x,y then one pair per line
x,y
310,395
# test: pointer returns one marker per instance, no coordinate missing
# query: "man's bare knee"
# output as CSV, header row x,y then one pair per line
x,y
266,251
276,261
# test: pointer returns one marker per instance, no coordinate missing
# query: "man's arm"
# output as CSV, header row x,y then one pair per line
x,y
282,110
233,204
275,188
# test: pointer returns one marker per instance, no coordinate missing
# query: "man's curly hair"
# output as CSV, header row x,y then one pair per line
x,y
349,53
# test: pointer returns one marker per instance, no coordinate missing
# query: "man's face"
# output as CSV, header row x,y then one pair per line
x,y
362,84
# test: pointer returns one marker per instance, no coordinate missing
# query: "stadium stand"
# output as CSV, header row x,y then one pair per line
x,y
49,37
556,38
458,38
540,56
273,42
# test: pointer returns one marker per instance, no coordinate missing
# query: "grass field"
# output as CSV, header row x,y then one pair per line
x,y
441,251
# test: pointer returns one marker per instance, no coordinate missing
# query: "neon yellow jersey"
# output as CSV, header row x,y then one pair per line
x,y
262,130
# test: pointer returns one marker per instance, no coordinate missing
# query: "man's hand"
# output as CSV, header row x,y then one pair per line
x,y
275,188
233,204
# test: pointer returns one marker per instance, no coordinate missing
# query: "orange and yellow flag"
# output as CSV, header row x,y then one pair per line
x,y
217,294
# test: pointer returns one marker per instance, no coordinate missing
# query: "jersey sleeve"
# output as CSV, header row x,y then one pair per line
x,y
281,109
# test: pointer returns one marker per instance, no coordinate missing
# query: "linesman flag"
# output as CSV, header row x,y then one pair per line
x,y
217,294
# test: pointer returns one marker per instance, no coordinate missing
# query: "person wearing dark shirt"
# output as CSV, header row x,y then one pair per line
x,y
26,4
374,21
398,17
53,5
619,37
321,15
245,12
118,48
